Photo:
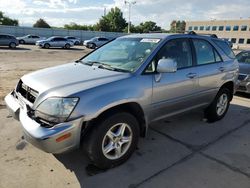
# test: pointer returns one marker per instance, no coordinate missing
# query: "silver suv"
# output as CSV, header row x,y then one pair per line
x,y
107,99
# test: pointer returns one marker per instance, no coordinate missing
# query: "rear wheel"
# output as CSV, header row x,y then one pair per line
x,y
113,141
46,46
218,108
76,43
12,45
67,46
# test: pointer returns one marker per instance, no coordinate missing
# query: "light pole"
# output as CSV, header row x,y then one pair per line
x,y
129,10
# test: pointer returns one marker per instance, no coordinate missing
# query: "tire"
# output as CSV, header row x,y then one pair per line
x,y
76,43
12,45
22,42
92,45
67,46
219,107
97,140
47,46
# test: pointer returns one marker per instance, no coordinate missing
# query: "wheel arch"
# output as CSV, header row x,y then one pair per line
x,y
131,107
230,86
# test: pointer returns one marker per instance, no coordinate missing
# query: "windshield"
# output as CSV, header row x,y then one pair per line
x,y
243,57
124,53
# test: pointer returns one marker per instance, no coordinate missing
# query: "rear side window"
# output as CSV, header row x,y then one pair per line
x,y
205,52
225,48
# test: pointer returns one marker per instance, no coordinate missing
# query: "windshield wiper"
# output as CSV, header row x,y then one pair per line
x,y
104,66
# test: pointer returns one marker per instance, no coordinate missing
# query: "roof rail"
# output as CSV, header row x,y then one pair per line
x,y
194,33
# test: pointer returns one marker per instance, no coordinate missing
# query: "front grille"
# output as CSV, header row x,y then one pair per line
x,y
27,92
242,77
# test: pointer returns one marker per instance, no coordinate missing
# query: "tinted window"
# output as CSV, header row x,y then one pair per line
x,y
241,41
225,48
70,37
207,28
35,37
195,28
102,39
214,28
228,28
248,41
204,52
201,28
190,28
178,50
236,28
221,28
243,28
59,39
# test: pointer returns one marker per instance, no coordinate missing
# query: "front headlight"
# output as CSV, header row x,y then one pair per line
x,y
55,109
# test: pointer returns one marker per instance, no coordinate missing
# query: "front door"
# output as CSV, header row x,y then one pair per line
x,y
174,92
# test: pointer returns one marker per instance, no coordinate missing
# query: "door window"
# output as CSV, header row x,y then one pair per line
x,y
179,50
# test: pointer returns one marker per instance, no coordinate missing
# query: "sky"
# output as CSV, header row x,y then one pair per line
x,y
60,12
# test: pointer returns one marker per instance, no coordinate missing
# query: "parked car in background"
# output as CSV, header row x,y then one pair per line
x,y
75,40
107,99
30,39
55,42
95,42
244,75
8,40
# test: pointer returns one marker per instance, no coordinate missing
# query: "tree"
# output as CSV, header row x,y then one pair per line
x,y
113,21
177,26
149,26
4,20
41,23
74,26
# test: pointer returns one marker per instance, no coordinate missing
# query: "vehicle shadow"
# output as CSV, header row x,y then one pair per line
x,y
243,95
14,49
69,49
168,141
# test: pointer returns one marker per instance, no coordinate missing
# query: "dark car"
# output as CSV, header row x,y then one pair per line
x,y
8,40
244,75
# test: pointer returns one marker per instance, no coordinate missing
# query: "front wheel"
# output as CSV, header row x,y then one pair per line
x,y
47,46
113,141
219,107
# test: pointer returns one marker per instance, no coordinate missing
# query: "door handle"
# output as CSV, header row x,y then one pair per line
x,y
222,69
191,75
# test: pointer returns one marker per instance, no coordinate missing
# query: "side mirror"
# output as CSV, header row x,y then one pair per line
x,y
166,65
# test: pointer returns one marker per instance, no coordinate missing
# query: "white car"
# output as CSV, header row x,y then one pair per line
x,y
95,42
75,40
29,39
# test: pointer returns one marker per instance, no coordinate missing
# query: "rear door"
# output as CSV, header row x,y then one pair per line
x,y
174,92
208,63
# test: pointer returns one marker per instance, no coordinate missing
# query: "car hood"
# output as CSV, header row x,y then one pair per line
x,y
244,68
69,79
